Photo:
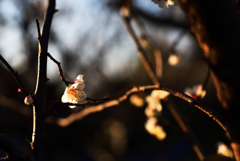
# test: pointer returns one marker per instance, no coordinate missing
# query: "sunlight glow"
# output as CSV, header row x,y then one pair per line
x,y
224,150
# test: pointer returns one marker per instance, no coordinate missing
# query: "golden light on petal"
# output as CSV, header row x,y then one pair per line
x,y
160,94
154,129
149,112
203,93
154,103
195,92
224,150
160,133
151,124
74,93
136,100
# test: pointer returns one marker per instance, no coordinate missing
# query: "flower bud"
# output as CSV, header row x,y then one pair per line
x,y
28,100
19,90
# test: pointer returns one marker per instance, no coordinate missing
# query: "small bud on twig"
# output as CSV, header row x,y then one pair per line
x,y
28,100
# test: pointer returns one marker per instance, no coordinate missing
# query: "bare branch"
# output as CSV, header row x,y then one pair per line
x,y
158,61
185,128
210,112
59,69
220,45
89,101
14,74
38,118
141,52
176,41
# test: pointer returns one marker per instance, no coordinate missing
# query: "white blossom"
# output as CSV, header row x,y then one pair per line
x,y
196,91
74,93
153,128
154,101
224,150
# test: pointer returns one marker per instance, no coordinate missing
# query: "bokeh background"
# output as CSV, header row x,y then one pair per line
x,y
88,37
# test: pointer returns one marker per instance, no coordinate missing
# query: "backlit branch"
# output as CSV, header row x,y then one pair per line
x,y
141,53
50,56
38,118
210,112
156,78
60,72
56,103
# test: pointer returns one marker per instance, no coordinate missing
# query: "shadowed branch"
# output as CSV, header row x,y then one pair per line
x,y
11,149
38,114
14,74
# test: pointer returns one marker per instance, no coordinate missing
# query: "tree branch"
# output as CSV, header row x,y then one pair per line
x,y
59,69
156,80
218,35
141,53
37,135
14,74
210,112
185,128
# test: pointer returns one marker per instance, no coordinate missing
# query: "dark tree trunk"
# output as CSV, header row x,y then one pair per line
x,y
216,26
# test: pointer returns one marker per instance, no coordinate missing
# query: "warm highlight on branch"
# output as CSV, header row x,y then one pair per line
x,y
210,112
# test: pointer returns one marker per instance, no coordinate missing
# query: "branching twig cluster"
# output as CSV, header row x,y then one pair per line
x,y
156,78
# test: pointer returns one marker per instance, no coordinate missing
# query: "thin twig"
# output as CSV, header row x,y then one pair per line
x,y
14,74
89,101
50,56
157,53
141,53
176,41
159,63
34,129
77,116
59,69
210,112
39,34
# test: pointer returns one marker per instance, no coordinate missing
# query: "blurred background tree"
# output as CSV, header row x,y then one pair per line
x,y
88,37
